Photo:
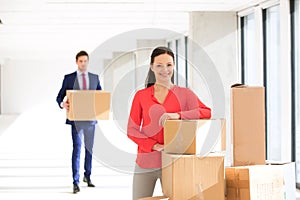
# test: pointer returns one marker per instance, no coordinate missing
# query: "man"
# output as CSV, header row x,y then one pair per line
x,y
80,80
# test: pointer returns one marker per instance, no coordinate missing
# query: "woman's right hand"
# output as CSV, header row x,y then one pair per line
x,y
158,147
167,116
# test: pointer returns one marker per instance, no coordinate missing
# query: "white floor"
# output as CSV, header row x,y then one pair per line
x,y
35,161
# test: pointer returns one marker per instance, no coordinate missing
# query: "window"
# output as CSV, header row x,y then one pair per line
x,y
179,47
249,73
265,53
0,90
181,64
272,82
296,86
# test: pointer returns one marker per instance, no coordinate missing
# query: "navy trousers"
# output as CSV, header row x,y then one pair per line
x,y
87,132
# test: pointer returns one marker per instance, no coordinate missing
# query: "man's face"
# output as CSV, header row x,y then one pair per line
x,y
82,63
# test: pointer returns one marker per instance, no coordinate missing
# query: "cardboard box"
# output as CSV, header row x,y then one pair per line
x,y
194,136
289,186
256,182
248,125
87,105
191,177
288,172
155,198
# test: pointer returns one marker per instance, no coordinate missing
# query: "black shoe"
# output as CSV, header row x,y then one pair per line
x,y
89,182
76,188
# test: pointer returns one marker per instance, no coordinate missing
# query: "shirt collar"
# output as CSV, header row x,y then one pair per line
x,y
79,73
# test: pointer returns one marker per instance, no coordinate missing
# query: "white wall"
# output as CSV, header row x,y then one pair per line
x,y
34,60
28,82
34,64
216,34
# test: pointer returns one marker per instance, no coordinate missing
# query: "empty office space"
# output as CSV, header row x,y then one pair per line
x,y
145,99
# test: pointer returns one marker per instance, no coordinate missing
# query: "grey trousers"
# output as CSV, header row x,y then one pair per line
x,y
144,182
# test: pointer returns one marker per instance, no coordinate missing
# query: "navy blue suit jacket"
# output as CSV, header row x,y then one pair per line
x,y
71,83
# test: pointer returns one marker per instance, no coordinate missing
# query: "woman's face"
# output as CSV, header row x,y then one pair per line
x,y
163,67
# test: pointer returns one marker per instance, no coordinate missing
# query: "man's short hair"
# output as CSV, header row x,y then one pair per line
x,y
81,53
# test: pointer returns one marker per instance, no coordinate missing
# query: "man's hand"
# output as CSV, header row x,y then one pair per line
x,y
66,105
166,116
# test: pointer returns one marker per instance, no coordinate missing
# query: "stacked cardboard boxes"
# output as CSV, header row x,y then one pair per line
x,y
190,171
249,178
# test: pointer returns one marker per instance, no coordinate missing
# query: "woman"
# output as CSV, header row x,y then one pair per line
x,y
151,107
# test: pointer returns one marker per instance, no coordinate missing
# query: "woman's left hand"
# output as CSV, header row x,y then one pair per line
x,y
166,116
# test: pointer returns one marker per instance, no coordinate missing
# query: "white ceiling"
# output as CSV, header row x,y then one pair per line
x,y
37,28
107,14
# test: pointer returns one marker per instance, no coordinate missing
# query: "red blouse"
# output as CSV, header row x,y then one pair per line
x,y
143,123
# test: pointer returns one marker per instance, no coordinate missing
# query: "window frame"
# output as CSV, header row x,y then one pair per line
x,y
294,87
179,45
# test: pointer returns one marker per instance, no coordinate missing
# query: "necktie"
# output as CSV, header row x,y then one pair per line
x,y
83,81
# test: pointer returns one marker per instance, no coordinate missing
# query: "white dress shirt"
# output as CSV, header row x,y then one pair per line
x,y
80,82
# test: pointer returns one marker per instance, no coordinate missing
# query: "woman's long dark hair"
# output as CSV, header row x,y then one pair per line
x,y
150,80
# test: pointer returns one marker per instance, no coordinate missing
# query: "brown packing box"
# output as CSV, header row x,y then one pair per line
x,y
254,182
194,136
248,125
191,177
88,105
289,179
155,198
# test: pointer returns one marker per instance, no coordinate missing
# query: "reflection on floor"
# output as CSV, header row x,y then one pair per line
x,y
35,161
